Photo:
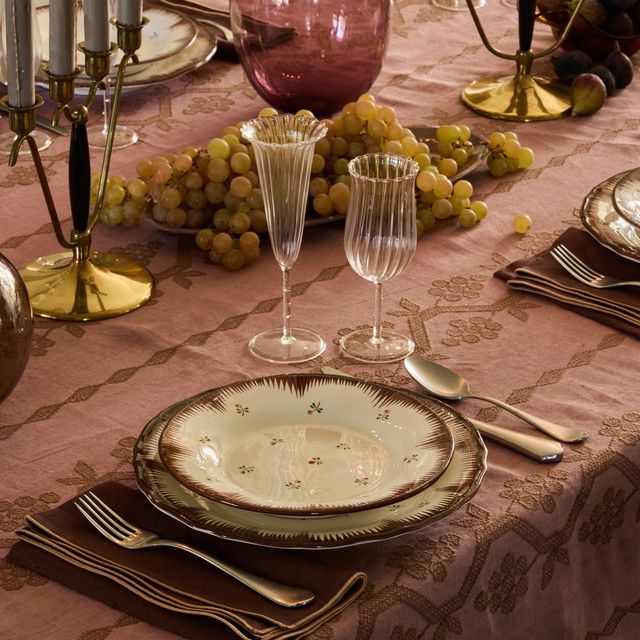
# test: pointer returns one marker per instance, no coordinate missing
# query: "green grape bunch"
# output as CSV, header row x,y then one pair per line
x,y
215,190
506,154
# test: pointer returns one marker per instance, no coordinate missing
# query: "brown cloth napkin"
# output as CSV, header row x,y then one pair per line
x,y
172,589
541,274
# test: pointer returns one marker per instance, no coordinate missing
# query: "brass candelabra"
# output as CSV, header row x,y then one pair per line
x,y
521,97
78,283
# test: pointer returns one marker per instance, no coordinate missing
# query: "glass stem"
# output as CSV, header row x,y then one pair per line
x,y
106,109
287,338
377,314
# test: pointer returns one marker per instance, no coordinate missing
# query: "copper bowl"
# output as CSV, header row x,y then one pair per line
x,y
16,327
587,37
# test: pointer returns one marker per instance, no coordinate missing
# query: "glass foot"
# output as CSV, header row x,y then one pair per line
x,y
123,137
43,141
458,5
391,347
271,346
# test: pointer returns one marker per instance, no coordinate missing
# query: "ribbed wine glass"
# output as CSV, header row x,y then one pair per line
x,y
380,241
284,146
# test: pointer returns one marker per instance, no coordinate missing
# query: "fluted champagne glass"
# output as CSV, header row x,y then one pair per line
x,y
380,241
284,146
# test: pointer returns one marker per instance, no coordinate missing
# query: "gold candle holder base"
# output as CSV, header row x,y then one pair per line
x,y
522,98
79,284
102,285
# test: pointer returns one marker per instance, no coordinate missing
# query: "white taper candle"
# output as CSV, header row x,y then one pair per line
x,y
62,37
130,12
21,71
96,26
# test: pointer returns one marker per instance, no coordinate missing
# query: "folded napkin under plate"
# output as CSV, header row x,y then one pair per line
x,y
174,590
541,274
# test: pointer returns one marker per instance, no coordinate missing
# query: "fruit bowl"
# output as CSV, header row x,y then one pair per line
x,y
594,30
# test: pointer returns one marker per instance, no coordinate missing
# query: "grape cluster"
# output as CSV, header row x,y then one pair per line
x,y
506,154
123,200
365,127
216,190
455,148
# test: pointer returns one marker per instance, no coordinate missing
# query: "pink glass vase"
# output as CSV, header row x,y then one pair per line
x,y
304,54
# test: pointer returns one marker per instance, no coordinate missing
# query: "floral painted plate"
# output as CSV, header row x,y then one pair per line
x,y
306,445
457,485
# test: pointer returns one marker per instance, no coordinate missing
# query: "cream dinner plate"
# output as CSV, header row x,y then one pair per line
x,y
606,225
458,484
167,33
303,444
197,53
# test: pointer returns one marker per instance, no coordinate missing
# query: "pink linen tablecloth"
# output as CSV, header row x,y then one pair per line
x,y
541,550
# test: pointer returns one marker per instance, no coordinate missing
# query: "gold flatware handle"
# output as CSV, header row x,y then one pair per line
x,y
534,447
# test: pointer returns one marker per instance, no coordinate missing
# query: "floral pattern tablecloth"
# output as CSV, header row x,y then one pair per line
x,y
541,550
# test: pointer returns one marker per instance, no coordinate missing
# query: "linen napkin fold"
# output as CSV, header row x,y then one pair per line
x,y
172,589
542,275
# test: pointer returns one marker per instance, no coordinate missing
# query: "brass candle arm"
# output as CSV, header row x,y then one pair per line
x,y
106,160
129,41
81,284
521,96
511,56
22,122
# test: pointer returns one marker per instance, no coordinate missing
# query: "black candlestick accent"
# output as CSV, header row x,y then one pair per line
x,y
79,176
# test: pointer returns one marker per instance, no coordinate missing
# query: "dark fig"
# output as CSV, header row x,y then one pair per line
x,y
618,5
634,14
592,12
618,24
587,94
606,76
571,64
621,67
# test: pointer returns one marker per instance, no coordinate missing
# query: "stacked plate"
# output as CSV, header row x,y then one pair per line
x,y
172,44
611,213
308,461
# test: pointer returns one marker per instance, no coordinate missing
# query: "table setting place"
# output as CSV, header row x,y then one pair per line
x,y
319,319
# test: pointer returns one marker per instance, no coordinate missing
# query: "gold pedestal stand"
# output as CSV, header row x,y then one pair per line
x,y
521,97
81,284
